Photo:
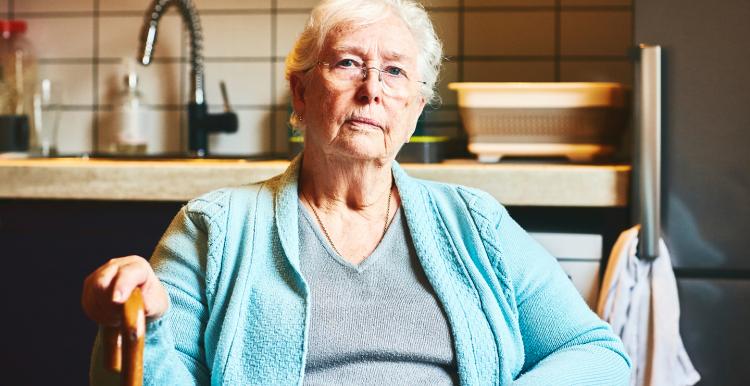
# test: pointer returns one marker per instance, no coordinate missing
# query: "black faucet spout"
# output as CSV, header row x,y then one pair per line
x,y
200,122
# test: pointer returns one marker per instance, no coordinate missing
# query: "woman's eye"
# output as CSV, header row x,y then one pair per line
x,y
346,63
395,71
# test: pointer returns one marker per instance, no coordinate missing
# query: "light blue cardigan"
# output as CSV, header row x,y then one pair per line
x,y
239,304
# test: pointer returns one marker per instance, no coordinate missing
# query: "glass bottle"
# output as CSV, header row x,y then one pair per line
x,y
17,85
131,136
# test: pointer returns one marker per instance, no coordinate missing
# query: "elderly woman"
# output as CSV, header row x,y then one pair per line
x,y
345,270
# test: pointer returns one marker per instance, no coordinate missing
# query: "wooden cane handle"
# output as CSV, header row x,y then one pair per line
x,y
124,345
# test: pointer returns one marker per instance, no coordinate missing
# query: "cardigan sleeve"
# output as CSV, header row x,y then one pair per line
x,y
174,351
564,342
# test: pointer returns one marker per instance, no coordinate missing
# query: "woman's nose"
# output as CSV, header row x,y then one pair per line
x,y
371,88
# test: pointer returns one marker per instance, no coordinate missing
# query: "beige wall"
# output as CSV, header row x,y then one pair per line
x,y
80,45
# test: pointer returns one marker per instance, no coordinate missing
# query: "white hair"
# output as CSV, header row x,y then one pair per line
x,y
329,14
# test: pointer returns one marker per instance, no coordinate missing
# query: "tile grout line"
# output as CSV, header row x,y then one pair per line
x,y
633,42
168,60
457,58
181,107
306,11
461,37
558,39
95,78
461,132
182,129
274,38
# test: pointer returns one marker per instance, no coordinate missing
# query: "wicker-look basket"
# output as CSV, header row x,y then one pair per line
x,y
576,120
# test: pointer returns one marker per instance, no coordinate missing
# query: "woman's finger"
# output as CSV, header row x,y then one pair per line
x,y
120,274
129,275
138,273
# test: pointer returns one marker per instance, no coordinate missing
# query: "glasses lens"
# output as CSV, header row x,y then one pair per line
x,y
397,83
394,82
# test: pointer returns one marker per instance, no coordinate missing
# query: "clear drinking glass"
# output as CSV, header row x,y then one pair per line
x,y
47,108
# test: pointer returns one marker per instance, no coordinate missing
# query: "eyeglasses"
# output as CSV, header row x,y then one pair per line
x,y
350,72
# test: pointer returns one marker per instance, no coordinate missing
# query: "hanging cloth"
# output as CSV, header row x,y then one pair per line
x,y
638,298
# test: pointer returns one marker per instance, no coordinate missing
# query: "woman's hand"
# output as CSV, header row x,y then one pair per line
x,y
108,287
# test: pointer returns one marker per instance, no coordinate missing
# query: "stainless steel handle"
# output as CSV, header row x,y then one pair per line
x,y
648,150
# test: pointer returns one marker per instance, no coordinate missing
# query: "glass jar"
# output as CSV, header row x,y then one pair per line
x,y
18,79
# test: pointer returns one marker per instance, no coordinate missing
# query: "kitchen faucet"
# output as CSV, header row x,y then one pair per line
x,y
200,122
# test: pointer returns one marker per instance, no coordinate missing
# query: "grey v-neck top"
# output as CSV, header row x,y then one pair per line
x,y
375,323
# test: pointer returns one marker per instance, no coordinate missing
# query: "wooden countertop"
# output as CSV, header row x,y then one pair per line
x,y
529,184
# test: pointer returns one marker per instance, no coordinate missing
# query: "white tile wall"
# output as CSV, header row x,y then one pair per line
x,y
513,40
302,4
159,83
595,33
75,90
63,37
232,4
288,28
281,87
237,35
22,6
167,134
509,33
164,132
127,5
119,37
446,26
595,2
75,134
239,78
439,3
489,3
591,71
509,71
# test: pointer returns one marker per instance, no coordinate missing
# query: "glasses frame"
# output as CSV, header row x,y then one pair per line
x,y
366,71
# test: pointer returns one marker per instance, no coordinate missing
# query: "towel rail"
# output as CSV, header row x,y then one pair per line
x,y
648,149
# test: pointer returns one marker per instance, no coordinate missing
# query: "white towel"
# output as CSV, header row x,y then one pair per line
x,y
639,300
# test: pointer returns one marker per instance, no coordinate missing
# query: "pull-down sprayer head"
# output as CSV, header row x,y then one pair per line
x,y
192,22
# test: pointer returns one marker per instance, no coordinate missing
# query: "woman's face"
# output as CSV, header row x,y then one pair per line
x,y
361,118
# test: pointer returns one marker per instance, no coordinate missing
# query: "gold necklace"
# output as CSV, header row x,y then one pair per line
x,y
325,231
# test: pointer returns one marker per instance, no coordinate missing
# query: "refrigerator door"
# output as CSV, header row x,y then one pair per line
x,y
714,327
706,128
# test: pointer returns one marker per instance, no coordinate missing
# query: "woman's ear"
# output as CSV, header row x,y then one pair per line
x,y
297,87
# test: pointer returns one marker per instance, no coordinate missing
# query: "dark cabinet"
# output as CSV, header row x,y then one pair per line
x,y
47,249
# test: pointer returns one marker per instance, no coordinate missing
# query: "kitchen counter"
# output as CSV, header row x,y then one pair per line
x,y
523,184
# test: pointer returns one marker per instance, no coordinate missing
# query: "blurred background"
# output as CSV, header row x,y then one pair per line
x,y
246,42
